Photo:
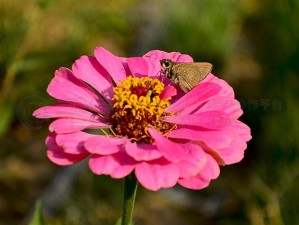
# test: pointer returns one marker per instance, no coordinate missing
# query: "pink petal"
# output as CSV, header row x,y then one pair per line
x,y
234,152
90,71
210,120
57,155
242,130
111,63
170,150
229,105
138,66
157,174
214,139
226,89
169,91
154,67
125,65
73,143
117,165
174,56
51,142
153,58
64,159
210,171
142,152
226,146
213,153
194,98
68,125
193,162
178,57
67,88
104,145
66,111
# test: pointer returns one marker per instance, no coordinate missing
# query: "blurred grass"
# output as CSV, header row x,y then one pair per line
x,y
252,44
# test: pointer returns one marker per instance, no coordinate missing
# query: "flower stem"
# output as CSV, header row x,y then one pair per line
x,y
130,189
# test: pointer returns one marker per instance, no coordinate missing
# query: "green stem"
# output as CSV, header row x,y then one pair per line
x,y
130,189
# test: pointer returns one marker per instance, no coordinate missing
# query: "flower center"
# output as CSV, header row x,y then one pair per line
x,y
137,106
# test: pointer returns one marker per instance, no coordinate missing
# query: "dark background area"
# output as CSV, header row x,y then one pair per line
x,y
253,45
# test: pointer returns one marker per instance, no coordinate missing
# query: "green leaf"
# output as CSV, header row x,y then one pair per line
x,y
37,218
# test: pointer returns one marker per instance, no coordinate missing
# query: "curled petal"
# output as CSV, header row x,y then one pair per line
x,y
234,152
73,143
64,159
117,165
210,171
57,155
104,145
193,162
142,152
157,174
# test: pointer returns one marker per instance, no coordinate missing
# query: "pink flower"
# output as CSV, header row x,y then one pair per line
x,y
147,126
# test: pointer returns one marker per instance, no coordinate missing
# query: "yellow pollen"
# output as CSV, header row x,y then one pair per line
x,y
137,105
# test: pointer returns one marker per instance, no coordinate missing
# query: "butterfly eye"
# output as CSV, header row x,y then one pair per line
x,y
166,64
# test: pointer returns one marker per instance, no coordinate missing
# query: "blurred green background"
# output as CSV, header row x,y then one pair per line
x,y
253,44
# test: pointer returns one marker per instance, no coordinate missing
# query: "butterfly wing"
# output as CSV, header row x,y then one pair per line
x,y
190,74
204,68
184,84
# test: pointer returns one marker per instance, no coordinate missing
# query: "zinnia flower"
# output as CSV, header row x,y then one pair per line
x,y
125,117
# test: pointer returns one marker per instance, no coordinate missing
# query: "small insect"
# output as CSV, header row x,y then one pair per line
x,y
186,75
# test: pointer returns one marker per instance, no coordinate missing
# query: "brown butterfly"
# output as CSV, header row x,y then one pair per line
x,y
186,75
